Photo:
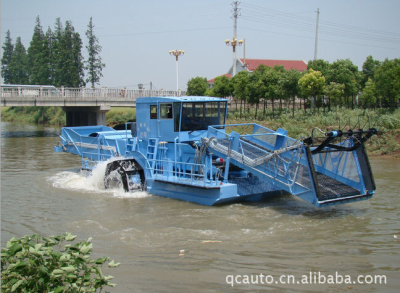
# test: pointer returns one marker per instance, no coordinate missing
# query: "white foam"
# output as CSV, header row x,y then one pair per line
x,y
92,182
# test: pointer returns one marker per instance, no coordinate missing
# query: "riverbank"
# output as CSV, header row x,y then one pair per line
x,y
55,116
386,143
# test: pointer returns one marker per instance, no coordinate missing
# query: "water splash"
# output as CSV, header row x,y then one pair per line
x,y
92,182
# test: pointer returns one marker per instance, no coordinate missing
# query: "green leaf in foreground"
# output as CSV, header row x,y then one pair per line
x,y
46,264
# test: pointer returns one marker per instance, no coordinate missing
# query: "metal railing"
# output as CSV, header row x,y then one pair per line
x,y
104,92
182,173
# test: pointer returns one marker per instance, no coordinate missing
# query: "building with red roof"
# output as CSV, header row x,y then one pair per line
x,y
251,64
211,81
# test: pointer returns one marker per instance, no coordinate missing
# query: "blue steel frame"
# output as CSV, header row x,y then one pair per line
x,y
183,166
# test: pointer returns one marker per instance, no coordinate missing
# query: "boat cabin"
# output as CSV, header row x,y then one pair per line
x,y
185,118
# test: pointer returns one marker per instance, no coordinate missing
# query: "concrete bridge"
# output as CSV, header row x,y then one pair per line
x,y
83,106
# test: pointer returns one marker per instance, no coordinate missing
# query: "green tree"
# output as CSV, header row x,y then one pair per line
x,y
8,49
239,85
289,84
93,65
256,88
369,67
270,77
259,85
318,65
18,64
387,82
344,72
222,87
56,53
312,85
50,42
38,57
334,91
367,98
280,93
69,58
197,86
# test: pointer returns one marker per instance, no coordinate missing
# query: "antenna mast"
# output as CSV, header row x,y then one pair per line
x,y
316,36
235,17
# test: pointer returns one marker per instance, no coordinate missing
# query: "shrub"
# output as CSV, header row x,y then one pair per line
x,y
46,264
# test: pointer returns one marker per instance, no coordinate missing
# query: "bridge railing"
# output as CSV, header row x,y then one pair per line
x,y
82,93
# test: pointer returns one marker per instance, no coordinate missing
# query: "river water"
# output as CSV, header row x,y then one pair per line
x,y
164,245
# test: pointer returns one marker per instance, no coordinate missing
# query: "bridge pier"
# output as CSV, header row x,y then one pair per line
x,y
86,116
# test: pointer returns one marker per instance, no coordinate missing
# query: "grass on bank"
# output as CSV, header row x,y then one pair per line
x,y
119,115
56,116
301,126
33,115
388,123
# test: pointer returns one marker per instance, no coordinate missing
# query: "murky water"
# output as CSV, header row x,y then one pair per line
x,y
166,245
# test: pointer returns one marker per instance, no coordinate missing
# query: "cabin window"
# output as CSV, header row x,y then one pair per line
x,y
215,113
153,111
188,121
198,116
165,111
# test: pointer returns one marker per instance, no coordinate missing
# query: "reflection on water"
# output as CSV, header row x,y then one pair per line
x,y
25,130
168,245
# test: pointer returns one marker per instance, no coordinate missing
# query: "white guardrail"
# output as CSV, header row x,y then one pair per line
x,y
64,92
24,95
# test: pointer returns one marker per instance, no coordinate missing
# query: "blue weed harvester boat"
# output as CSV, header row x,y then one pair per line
x,y
180,147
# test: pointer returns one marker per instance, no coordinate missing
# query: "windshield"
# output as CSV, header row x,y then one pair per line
x,y
198,116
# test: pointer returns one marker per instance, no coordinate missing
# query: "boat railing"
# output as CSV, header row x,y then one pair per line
x,y
182,173
89,163
263,152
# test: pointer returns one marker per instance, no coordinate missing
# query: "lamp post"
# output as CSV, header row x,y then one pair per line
x,y
234,42
176,53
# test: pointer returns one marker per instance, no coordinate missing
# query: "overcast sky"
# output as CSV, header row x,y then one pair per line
x,y
137,35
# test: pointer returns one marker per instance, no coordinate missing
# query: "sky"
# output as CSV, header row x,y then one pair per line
x,y
136,36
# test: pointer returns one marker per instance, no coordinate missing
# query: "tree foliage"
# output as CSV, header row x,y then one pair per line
x,y
240,87
319,65
52,58
346,73
93,64
368,70
39,57
256,88
289,84
271,78
70,59
8,49
312,84
387,82
222,87
339,84
47,264
18,66
197,86
368,95
334,92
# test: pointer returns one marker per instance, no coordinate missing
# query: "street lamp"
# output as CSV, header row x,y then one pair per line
x,y
234,42
176,53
